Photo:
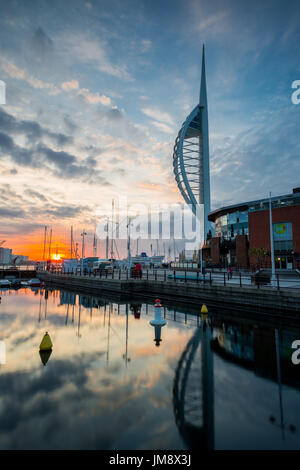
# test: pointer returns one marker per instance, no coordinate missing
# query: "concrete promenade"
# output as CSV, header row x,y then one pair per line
x,y
213,291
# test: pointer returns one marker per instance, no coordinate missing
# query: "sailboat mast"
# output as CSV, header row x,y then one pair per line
x,y
106,240
112,228
71,242
128,242
95,246
45,235
49,255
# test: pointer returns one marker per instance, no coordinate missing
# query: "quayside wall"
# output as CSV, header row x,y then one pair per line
x,y
270,301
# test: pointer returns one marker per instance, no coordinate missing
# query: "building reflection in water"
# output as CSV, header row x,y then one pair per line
x,y
193,391
264,350
136,310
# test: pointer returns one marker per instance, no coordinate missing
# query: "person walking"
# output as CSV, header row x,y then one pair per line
x,y
229,272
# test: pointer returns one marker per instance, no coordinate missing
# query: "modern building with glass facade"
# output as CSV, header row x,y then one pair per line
x,y
243,228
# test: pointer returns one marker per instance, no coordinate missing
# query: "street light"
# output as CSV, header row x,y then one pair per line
x,y
82,255
273,277
129,220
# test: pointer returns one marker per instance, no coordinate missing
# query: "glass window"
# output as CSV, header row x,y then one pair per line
x,y
224,220
244,216
232,217
283,245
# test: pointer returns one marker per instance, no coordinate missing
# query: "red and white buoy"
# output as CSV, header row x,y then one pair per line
x,y
158,320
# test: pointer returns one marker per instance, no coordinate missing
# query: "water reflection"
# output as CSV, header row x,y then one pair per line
x,y
45,355
265,351
214,382
193,393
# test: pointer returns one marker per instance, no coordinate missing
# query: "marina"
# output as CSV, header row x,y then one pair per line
x,y
149,229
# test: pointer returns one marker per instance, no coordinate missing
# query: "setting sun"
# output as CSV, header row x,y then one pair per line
x,y
57,257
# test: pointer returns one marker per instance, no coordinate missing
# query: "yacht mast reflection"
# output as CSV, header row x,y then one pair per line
x,y
108,334
193,392
79,318
125,356
67,314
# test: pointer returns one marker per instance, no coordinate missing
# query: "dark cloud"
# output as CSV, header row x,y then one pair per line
x,y
18,228
60,158
63,212
5,212
91,161
35,194
19,155
70,124
61,164
114,115
68,166
31,129
6,142
8,194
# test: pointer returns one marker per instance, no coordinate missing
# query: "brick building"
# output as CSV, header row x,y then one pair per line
x,y
242,236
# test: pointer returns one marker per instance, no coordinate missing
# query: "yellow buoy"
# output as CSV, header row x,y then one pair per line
x,y
46,344
204,309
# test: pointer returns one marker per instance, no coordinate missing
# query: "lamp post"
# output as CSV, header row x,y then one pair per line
x,y
273,277
82,253
128,245
106,239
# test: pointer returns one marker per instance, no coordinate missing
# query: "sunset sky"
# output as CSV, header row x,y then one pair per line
x,y
97,91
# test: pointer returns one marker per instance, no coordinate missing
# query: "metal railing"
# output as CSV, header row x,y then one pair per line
x,y
19,267
237,279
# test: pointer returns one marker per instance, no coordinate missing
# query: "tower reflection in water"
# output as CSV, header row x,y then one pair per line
x,y
193,390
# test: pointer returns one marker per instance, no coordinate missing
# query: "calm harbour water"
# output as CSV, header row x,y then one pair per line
x,y
108,384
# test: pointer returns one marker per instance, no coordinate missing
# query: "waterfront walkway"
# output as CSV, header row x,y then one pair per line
x,y
238,279
237,292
